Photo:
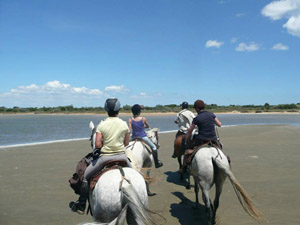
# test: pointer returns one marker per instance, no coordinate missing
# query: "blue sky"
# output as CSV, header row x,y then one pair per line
x,y
63,52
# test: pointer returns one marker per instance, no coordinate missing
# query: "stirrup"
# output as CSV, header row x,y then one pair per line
x,y
77,207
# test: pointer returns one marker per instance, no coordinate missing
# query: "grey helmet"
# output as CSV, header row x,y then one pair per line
x,y
112,104
184,105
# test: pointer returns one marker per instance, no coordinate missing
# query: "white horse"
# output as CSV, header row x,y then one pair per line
x,y
210,167
115,189
141,157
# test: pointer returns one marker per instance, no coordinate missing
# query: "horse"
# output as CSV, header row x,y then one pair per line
x,y
141,156
120,220
115,189
179,149
210,167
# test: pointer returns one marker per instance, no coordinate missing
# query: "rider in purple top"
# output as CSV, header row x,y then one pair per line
x,y
137,125
138,129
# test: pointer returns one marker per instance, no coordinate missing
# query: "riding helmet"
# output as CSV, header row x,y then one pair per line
x,y
184,105
112,104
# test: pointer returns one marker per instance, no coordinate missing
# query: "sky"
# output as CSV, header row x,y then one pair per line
x,y
158,52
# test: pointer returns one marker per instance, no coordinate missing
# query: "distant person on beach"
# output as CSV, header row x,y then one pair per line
x,y
112,136
184,120
137,125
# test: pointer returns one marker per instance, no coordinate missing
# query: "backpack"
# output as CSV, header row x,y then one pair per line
x,y
77,178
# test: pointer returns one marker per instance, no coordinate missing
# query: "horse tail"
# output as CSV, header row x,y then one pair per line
x,y
241,194
140,212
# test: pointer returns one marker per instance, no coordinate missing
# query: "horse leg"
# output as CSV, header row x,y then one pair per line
x,y
179,161
196,189
181,171
219,186
147,185
208,205
188,185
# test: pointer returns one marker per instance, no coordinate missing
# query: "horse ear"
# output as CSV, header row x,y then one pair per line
x,y
92,125
155,129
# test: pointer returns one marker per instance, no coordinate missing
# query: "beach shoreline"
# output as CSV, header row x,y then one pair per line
x,y
34,180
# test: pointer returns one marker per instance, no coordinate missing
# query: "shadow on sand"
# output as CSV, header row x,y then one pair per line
x,y
186,213
174,177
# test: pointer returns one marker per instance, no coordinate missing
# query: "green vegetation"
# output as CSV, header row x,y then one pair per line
x,y
158,108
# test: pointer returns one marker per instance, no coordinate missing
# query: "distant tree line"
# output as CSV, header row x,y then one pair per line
x,y
158,108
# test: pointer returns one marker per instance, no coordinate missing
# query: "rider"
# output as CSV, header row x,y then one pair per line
x,y
112,136
205,122
137,125
184,119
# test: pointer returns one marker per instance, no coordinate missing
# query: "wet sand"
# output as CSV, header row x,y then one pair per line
x,y
34,180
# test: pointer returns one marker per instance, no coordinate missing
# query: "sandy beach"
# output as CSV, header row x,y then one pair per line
x,y
265,159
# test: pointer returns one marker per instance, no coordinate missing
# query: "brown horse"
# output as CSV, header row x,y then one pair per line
x,y
179,149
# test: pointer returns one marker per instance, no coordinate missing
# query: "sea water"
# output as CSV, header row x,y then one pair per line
x,y
18,130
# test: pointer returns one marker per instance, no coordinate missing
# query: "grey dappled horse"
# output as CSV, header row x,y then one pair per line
x,y
114,191
210,167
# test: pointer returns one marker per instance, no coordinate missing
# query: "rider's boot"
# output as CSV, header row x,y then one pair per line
x,y
174,155
79,206
157,162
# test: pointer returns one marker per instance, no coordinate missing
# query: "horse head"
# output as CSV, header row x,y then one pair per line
x,y
152,134
93,134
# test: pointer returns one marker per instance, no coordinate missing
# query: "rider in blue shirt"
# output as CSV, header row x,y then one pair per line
x,y
205,122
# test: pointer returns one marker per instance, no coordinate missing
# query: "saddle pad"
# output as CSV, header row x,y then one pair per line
x,y
108,166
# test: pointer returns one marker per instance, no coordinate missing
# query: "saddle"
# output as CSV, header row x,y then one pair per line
x,y
113,164
190,153
148,148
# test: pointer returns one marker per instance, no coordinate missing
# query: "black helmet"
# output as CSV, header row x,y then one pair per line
x,y
136,109
184,105
112,105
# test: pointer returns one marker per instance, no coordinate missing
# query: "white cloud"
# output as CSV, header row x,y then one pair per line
x,y
113,88
280,46
52,93
242,47
213,43
285,9
56,85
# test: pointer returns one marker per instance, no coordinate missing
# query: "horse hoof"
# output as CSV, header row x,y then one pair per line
x,y
151,194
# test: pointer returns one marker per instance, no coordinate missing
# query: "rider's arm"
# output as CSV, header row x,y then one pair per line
x,y
146,122
98,142
217,122
190,131
126,139
129,124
